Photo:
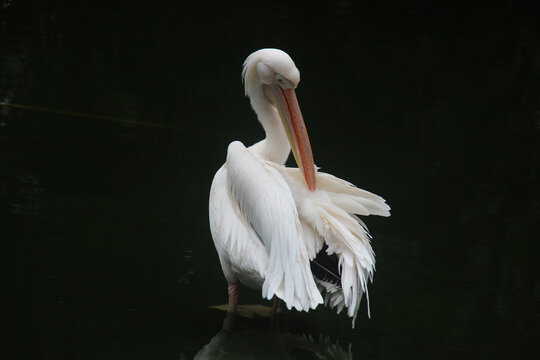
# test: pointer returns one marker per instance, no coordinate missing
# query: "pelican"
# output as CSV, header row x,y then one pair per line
x,y
292,232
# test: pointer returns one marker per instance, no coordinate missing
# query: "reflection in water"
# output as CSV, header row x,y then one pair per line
x,y
253,342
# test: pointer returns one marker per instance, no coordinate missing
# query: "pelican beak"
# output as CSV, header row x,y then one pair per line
x,y
294,126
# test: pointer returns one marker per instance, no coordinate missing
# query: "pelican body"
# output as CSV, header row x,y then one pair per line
x,y
292,232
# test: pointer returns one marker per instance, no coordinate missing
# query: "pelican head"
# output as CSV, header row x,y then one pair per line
x,y
271,66
270,77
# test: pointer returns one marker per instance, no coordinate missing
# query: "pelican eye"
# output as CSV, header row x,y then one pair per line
x,y
281,81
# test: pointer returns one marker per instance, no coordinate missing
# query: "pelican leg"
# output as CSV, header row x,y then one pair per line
x,y
274,323
275,305
233,297
233,307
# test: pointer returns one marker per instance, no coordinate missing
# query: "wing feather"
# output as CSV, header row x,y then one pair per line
x,y
234,237
266,202
330,213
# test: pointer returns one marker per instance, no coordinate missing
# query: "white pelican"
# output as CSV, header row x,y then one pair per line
x,y
291,231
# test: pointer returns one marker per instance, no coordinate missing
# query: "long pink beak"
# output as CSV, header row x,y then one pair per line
x,y
293,122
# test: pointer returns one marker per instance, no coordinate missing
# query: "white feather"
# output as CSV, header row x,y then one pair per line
x,y
267,225
329,211
268,206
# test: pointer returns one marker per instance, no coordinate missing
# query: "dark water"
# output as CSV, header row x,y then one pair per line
x,y
106,249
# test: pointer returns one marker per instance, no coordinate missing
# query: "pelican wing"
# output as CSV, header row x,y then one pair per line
x,y
234,237
329,212
267,204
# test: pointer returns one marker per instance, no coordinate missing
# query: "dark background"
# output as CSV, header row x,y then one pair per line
x,y
105,245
